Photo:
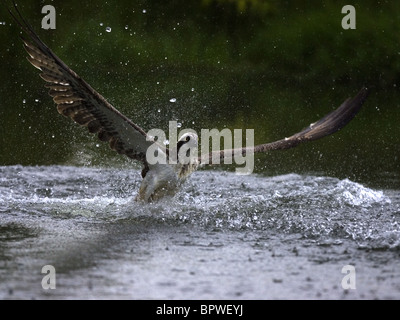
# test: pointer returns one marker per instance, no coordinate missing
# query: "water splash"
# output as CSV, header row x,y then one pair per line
x,y
355,194
315,207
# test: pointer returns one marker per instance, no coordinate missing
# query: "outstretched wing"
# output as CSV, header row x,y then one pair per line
x,y
329,124
77,100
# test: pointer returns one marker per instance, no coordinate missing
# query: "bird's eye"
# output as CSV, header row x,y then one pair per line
x,y
187,138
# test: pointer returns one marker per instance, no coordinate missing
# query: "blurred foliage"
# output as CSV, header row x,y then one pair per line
x,y
257,7
292,41
274,66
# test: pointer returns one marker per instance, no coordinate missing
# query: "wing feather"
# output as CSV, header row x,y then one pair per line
x,y
77,100
329,124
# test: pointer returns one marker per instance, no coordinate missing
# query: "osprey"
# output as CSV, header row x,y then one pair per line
x,y
76,99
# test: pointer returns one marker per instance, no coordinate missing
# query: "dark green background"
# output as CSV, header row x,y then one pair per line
x,y
273,66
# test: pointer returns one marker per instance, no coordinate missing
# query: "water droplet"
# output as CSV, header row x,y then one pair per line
x,y
101,24
172,100
97,145
192,89
126,27
144,10
165,58
36,100
158,82
159,110
166,142
53,136
108,29
24,101
179,125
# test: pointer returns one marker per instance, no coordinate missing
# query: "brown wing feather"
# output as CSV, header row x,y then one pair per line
x,y
329,124
77,100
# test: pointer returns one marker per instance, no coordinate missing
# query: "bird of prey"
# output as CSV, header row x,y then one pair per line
x,y
77,100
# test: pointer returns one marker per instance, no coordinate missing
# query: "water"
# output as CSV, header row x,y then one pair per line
x,y
222,237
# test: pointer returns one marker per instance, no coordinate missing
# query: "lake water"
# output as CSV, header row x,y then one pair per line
x,y
223,236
